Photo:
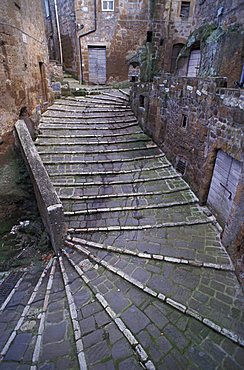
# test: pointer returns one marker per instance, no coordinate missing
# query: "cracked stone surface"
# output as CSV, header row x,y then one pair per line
x,y
143,280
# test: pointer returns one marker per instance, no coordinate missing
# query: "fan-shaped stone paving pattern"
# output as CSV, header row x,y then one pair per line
x,y
143,281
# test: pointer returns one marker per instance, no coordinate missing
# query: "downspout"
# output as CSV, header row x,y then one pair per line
x,y
58,29
85,34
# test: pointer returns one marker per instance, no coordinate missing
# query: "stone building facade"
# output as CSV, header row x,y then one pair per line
x,y
99,37
24,61
193,108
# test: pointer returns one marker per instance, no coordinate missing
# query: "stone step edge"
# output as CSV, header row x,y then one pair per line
x,y
91,100
37,347
57,126
122,195
102,98
106,160
24,312
133,122
85,110
178,306
141,227
90,136
99,183
7,300
74,317
98,151
124,92
89,143
141,353
111,173
88,102
125,100
130,208
156,257
91,116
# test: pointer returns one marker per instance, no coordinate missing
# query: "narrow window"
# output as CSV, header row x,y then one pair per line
x,y
149,36
47,10
184,121
107,5
181,166
141,101
185,9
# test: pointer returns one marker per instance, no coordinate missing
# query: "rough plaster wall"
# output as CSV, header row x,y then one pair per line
x,y
22,47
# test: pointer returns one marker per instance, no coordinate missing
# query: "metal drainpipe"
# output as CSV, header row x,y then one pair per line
x,y
85,34
58,29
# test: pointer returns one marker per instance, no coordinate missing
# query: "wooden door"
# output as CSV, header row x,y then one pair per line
x,y
223,186
97,64
194,63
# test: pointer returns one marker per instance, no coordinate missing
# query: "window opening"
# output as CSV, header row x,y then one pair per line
x,y
185,9
47,8
181,166
149,36
142,101
108,5
184,121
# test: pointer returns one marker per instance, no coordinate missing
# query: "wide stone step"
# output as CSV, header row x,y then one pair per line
x,y
143,312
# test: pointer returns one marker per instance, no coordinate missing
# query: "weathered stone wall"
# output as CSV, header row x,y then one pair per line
x,y
23,60
51,30
67,22
214,27
122,31
214,118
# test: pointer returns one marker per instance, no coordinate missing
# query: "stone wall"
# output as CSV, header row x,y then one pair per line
x,y
122,31
23,61
213,27
191,119
67,22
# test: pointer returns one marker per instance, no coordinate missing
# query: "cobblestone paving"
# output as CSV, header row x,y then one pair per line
x,y
143,280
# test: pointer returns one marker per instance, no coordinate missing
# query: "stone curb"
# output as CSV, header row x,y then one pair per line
x,y
132,208
85,117
156,257
97,151
24,312
178,306
92,136
122,195
37,348
119,323
89,143
103,173
74,318
106,160
98,183
117,96
79,128
142,227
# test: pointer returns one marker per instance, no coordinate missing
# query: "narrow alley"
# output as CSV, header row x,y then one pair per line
x,y
143,280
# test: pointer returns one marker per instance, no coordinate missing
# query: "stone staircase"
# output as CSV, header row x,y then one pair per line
x,y
142,280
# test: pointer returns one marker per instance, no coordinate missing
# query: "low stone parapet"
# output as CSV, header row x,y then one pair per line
x,y
49,204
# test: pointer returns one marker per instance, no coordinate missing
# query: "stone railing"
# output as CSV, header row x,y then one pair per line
x,y
49,204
